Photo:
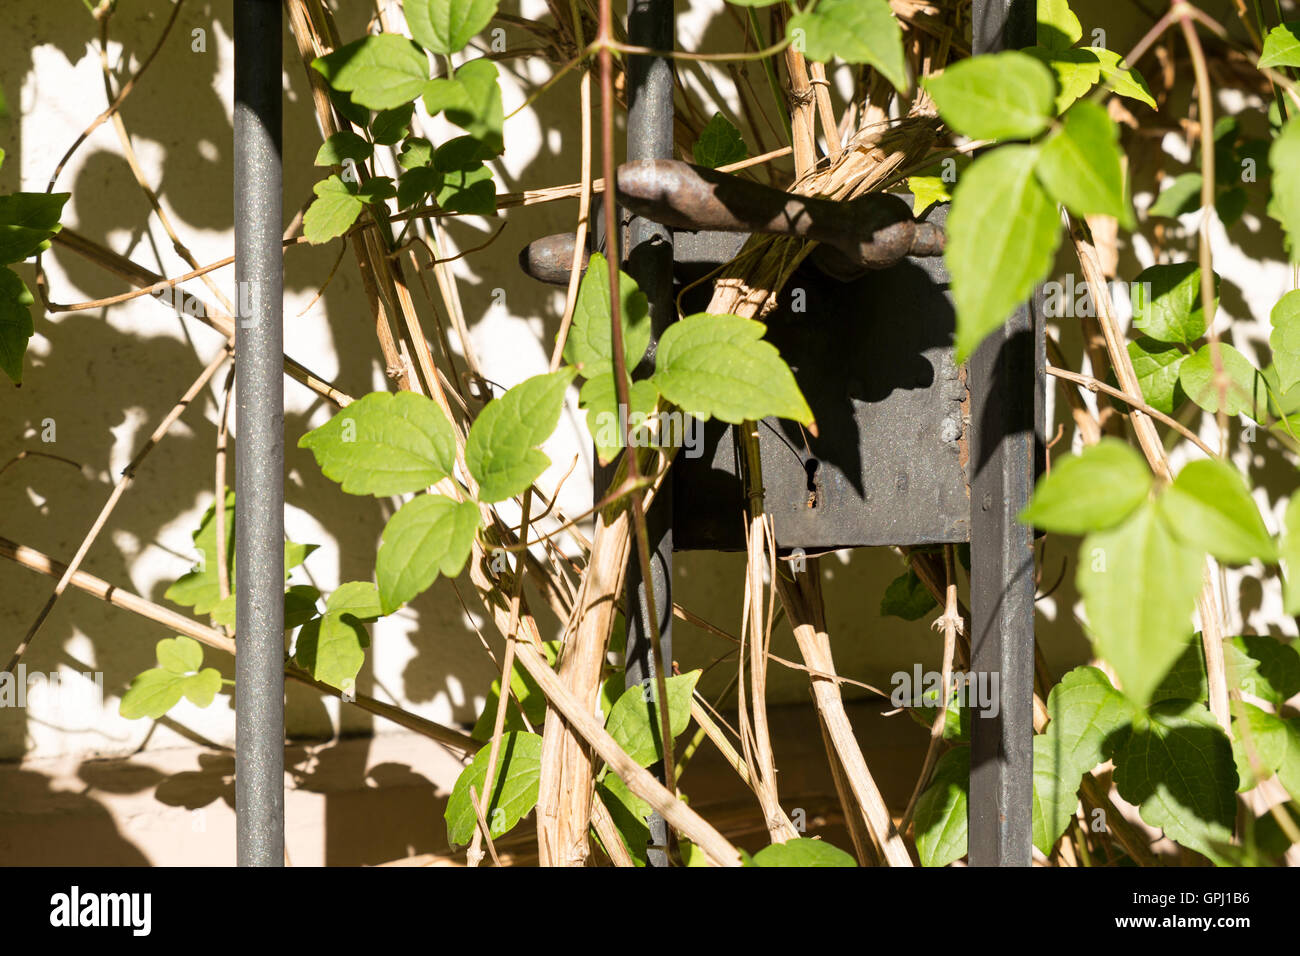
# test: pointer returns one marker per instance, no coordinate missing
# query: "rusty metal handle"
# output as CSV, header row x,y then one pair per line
x,y
874,231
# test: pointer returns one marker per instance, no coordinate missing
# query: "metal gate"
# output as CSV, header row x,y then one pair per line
x,y
900,438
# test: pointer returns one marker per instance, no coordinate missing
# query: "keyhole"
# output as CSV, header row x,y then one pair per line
x,y
810,467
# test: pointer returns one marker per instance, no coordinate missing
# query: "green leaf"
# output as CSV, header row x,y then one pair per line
x,y
1157,365
1272,742
1139,587
514,788
332,212
444,93
528,694
940,819
16,328
719,366
385,444
927,190
856,31
446,26
1058,27
1269,838
1187,679
803,852
428,536
358,116
1007,95
416,152
201,688
1124,80
151,694
1284,206
1092,491
27,221
589,345
600,400
332,648
1177,768
1231,204
1209,508
1264,667
1085,712
390,126
180,674
1183,195
376,189
1055,794
720,144
1285,339
630,815
480,113
461,152
200,588
343,145
1281,46
924,709
1076,72
179,655
381,72
501,450
1282,404
1290,555
635,726
907,597
157,691
416,184
1167,302
1080,165
1245,389
469,191
1003,230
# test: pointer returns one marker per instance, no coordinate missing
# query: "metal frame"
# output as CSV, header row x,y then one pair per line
x,y
649,248
259,448
1005,376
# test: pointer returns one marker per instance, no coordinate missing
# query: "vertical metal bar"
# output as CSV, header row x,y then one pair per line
x,y
1003,376
650,261
259,445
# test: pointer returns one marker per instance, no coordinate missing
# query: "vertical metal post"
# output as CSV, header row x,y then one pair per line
x,y
1003,376
650,261
259,445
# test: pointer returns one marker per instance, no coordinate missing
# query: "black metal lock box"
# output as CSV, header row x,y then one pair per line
x,y
874,359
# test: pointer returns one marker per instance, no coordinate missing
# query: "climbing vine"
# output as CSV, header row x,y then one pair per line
x,y
1181,725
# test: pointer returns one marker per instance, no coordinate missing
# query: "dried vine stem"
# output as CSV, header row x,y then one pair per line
x,y
949,622
1149,441
124,482
799,597
482,832
578,714
141,277
749,288
41,563
756,625
566,785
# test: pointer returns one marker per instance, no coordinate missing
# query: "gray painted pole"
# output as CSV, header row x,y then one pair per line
x,y
650,263
259,444
1005,372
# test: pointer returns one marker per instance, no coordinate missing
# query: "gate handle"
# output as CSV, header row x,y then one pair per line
x,y
874,231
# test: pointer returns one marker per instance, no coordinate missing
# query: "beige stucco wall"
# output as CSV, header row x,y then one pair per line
x,y
105,377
